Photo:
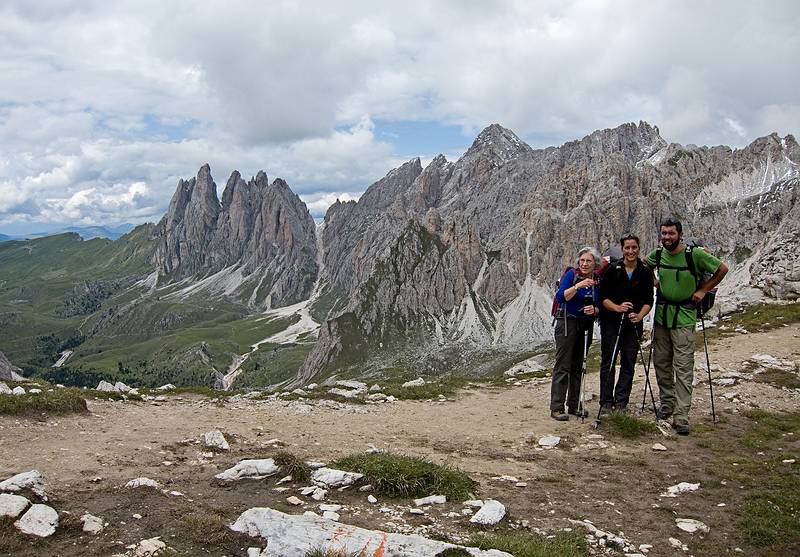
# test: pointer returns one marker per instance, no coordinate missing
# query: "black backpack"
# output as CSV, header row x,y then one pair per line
x,y
699,278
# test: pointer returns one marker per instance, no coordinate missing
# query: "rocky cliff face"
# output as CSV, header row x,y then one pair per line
x,y
258,245
464,254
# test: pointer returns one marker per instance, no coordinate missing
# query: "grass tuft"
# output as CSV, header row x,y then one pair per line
x,y
628,426
330,553
522,544
767,427
454,552
294,466
407,476
59,401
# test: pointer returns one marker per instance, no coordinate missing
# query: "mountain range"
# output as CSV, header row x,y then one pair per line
x,y
441,269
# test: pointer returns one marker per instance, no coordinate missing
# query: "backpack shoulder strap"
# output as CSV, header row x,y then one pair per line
x,y
658,256
690,263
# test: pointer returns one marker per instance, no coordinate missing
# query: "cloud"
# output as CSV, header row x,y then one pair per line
x,y
96,97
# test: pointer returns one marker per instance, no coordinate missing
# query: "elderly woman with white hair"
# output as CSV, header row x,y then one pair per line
x,y
578,301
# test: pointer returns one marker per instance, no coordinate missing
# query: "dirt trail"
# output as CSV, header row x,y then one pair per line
x,y
488,433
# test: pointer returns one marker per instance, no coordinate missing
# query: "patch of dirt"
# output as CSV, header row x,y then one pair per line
x,y
613,482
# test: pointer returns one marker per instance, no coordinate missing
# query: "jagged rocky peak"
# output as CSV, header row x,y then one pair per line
x,y
631,142
499,141
264,230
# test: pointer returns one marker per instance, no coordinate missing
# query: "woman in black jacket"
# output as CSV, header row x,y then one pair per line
x,y
626,293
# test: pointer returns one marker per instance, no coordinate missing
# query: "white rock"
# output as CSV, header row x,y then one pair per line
x,y
215,439
92,524
34,391
658,447
312,386
121,387
690,525
294,501
676,543
725,381
431,500
345,393
319,494
256,552
18,391
683,487
789,461
149,547
414,511
255,469
315,465
306,491
330,507
355,385
549,441
12,505
329,477
4,389
372,499
142,482
291,536
26,480
330,515
167,387
375,388
490,513
106,387
419,382
377,397
474,503
40,520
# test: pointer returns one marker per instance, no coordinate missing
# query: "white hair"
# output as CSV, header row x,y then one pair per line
x,y
595,253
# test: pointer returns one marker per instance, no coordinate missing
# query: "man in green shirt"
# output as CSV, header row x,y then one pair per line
x,y
679,293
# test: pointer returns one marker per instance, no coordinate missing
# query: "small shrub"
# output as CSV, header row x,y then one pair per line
x,y
522,544
294,466
454,552
628,426
59,401
407,476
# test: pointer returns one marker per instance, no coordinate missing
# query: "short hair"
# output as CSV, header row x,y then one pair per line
x,y
672,221
629,236
595,254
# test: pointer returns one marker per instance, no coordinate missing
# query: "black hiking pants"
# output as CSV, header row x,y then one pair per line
x,y
627,348
570,349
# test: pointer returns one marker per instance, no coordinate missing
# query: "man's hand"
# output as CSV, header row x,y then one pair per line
x,y
699,295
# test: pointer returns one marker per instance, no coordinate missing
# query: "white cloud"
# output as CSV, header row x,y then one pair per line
x,y
96,97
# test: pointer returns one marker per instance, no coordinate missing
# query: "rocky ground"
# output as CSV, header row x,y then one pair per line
x,y
492,433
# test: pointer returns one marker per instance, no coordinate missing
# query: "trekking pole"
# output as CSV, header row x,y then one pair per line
x,y
708,363
581,410
613,362
647,384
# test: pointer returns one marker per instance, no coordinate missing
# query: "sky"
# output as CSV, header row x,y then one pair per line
x,y
105,105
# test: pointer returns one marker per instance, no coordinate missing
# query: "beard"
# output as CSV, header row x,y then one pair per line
x,y
670,245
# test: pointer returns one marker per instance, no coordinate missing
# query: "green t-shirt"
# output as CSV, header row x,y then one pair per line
x,y
678,284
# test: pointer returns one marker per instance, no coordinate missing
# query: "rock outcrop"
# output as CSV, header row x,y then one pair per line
x,y
464,254
258,245
8,371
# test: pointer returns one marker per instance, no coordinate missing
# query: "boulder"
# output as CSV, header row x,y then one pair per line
x,y
419,382
691,525
26,480
291,536
106,387
683,487
17,391
40,520
329,477
215,439
490,513
431,500
12,505
92,524
253,469
4,389
8,371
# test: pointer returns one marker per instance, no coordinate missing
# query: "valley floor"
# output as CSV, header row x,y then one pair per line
x,y
488,432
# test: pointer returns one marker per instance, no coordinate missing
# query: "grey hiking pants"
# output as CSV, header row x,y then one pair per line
x,y
569,362
673,358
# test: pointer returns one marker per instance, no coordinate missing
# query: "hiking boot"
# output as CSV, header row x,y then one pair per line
x,y
606,408
559,415
622,408
681,427
579,413
664,413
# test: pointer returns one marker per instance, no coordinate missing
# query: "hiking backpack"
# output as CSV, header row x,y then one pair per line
x,y
699,278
